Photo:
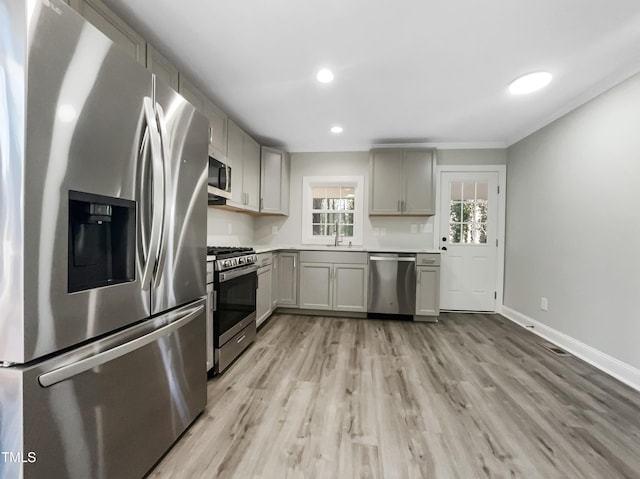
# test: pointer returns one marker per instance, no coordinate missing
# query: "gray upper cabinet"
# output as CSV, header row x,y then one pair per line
x,y
243,154
401,182
158,64
385,182
112,26
274,181
218,122
192,94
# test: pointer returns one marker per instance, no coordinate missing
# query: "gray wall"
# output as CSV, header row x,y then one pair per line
x,y
472,157
573,224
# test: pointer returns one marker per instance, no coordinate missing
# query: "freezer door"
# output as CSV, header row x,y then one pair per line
x,y
85,125
180,272
110,409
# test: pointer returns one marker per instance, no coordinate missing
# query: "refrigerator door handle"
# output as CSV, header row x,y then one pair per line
x,y
66,372
144,151
158,193
164,140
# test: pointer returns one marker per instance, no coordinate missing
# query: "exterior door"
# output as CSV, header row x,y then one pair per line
x,y
180,271
468,240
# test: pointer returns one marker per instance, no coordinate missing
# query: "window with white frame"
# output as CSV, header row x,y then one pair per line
x,y
330,204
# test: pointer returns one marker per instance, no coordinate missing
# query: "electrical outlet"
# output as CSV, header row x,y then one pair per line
x,y
544,304
274,230
414,228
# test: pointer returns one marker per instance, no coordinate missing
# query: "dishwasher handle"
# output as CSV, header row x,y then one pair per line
x,y
408,259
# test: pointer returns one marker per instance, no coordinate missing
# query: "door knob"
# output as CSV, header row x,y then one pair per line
x,y
444,248
444,238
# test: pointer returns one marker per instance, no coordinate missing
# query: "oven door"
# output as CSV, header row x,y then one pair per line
x,y
235,302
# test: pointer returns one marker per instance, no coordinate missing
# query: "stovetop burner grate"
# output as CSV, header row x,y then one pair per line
x,y
228,250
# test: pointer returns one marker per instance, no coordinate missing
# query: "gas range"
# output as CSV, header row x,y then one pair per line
x,y
228,257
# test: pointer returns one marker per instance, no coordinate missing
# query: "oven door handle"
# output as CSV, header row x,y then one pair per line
x,y
226,276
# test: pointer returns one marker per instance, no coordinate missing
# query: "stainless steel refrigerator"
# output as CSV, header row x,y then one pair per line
x,y
103,173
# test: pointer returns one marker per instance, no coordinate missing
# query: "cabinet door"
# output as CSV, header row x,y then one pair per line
x,y
271,180
158,64
251,173
274,282
418,182
288,279
428,291
315,286
234,157
112,26
350,287
191,93
263,295
218,131
385,182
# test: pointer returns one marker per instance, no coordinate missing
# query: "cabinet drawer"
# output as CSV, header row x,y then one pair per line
x,y
428,259
346,257
264,259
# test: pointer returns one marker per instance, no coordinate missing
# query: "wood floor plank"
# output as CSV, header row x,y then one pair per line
x,y
473,396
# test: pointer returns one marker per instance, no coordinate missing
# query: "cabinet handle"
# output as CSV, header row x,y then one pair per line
x,y
210,135
261,203
294,262
399,207
402,208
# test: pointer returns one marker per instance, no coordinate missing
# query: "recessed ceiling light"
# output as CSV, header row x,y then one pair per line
x,y
325,76
529,83
336,129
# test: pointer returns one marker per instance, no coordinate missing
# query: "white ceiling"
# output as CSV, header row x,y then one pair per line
x,y
407,71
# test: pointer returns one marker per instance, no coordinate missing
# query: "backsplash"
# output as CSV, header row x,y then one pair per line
x,y
229,228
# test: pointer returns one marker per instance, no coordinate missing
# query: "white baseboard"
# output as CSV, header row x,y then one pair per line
x,y
608,364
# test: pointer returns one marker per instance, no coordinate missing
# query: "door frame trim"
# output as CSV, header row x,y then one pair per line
x,y
500,234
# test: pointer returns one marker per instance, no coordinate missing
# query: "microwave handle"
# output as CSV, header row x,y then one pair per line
x,y
227,186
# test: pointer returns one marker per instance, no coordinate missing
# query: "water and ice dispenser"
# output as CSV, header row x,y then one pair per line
x,y
102,241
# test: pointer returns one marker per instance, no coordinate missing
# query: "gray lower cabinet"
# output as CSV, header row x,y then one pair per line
x,y
274,281
315,286
350,287
103,18
333,281
427,287
263,295
274,181
401,182
288,279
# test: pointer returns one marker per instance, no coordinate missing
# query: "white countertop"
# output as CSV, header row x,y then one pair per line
x,y
366,249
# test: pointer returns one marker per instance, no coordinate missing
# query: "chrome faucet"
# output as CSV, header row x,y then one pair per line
x,y
337,239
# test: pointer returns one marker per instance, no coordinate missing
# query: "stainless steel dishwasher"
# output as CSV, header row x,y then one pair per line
x,y
392,283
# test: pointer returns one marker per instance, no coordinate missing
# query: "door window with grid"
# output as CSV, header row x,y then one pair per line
x,y
332,204
468,206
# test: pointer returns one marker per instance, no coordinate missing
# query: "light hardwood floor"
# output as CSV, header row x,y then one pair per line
x,y
473,396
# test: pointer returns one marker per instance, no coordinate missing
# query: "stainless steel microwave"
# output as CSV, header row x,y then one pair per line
x,y
219,179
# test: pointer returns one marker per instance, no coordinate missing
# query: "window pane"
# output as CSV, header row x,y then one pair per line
x,y
468,209
465,237
482,190
348,192
346,230
318,230
469,190
350,204
456,191
455,210
481,210
317,218
319,203
346,218
454,233
319,191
